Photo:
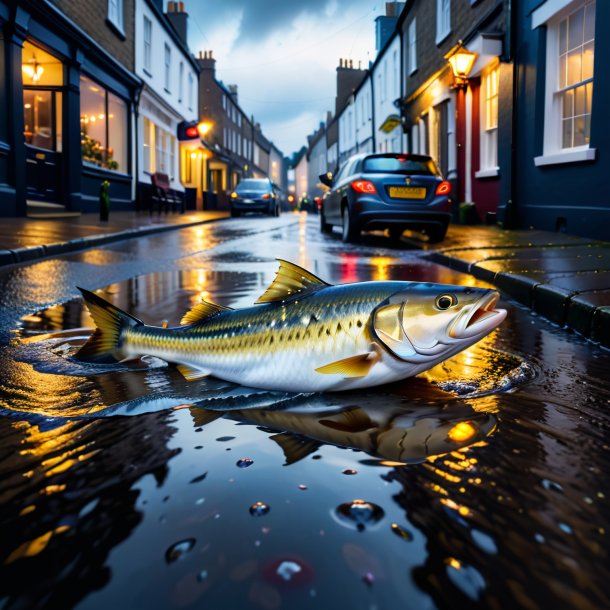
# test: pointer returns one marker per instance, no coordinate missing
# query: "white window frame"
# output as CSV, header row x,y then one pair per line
x,y
147,37
488,131
551,14
167,55
412,35
115,14
443,20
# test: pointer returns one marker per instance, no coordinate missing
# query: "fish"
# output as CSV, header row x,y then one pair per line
x,y
305,335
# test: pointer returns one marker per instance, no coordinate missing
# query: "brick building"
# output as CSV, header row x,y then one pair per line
x,y
68,92
457,127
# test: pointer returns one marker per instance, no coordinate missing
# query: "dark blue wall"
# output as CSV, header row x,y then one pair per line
x,y
578,193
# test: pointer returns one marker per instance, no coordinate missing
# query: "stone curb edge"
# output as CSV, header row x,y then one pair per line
x,y
32,253
557,305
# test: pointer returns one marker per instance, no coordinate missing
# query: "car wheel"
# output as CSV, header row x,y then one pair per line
x,y
277,210
349,232
436,235
234,213
324,226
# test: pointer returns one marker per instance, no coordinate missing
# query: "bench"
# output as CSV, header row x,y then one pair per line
x,y
163,196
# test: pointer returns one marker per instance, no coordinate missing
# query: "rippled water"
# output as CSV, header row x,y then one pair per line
x,y
480,482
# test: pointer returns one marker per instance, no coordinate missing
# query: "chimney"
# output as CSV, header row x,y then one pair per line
x,y
179,19
348,78
207,62
233,92
386,24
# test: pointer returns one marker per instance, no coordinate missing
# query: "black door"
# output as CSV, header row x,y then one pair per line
x,y
43,140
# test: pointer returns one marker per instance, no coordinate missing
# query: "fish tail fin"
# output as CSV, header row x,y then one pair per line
x,y
104,343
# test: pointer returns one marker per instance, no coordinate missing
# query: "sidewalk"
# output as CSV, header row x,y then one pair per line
x,y
27,239
563,278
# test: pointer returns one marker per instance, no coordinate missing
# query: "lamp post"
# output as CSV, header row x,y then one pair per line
x,y
461,61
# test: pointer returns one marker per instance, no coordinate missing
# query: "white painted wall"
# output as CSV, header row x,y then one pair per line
x,y
332,157
363,117
165,107
386,76
300,178
347,131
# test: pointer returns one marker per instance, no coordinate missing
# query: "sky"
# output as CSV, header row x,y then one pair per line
x,y
283,55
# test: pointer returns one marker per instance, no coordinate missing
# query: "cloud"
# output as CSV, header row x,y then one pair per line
x,y
283,56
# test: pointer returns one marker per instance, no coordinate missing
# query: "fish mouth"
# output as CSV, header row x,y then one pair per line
x,y
480,319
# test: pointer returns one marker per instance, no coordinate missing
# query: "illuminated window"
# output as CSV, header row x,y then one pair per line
x,y
570,51
489,120
104,127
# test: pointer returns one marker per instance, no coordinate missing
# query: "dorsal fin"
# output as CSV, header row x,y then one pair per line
x,y
202,311
290,281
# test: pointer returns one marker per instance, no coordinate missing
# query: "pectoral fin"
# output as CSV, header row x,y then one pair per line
x,y
355,366
190,373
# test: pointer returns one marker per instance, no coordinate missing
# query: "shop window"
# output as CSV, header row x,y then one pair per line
x,y
569,82
104,127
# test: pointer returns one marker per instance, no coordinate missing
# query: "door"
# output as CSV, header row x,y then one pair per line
x,y
43,143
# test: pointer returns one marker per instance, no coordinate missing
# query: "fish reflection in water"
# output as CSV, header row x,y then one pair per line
x,y
383,426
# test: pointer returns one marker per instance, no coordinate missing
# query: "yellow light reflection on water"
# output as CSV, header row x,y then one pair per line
x,y
380,267
462,432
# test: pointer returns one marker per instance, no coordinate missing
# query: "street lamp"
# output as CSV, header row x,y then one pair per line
x,y
203,128
461,61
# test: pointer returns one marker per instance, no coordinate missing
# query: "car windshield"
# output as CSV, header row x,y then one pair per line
x,y
253,185
400,164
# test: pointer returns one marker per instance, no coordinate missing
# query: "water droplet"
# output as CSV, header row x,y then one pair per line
x,y
199,501
202,575
368,578
257,543
258,509
564,527
287,569
244,462
359,514
199,447
484,542
350,471
539,538
199,478
302,487
551,485
179,550
316,457
224,439
401,532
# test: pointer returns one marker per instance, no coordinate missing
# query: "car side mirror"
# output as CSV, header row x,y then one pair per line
x,y
326,179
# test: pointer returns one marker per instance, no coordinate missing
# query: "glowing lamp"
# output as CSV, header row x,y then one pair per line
x,y
33,69
191,132
203,128
461,61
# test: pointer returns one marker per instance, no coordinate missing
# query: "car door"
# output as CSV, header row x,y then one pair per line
x,y
332,205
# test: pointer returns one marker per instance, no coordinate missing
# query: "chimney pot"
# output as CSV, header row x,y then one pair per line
x,y
351,63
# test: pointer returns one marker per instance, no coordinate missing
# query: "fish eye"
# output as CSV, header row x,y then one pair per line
x,y
445,301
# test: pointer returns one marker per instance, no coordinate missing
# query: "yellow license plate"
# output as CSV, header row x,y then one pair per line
x,y
407,192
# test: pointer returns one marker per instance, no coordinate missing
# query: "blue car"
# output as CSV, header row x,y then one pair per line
x,y
387,191
255,195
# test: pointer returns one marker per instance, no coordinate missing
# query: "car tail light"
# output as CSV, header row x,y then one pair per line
x,y
233,195
444,188
364,186
266,195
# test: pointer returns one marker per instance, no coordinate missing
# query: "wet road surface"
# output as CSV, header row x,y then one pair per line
x,y
481,483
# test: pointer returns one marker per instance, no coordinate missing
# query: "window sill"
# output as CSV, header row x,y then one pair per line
x,y
568,156
489,172
147,72
116,29
440,38
413,71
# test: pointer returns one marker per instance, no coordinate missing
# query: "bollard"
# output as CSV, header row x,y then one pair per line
x,y
104,201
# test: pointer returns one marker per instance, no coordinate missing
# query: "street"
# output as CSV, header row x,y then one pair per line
x,y
479,483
